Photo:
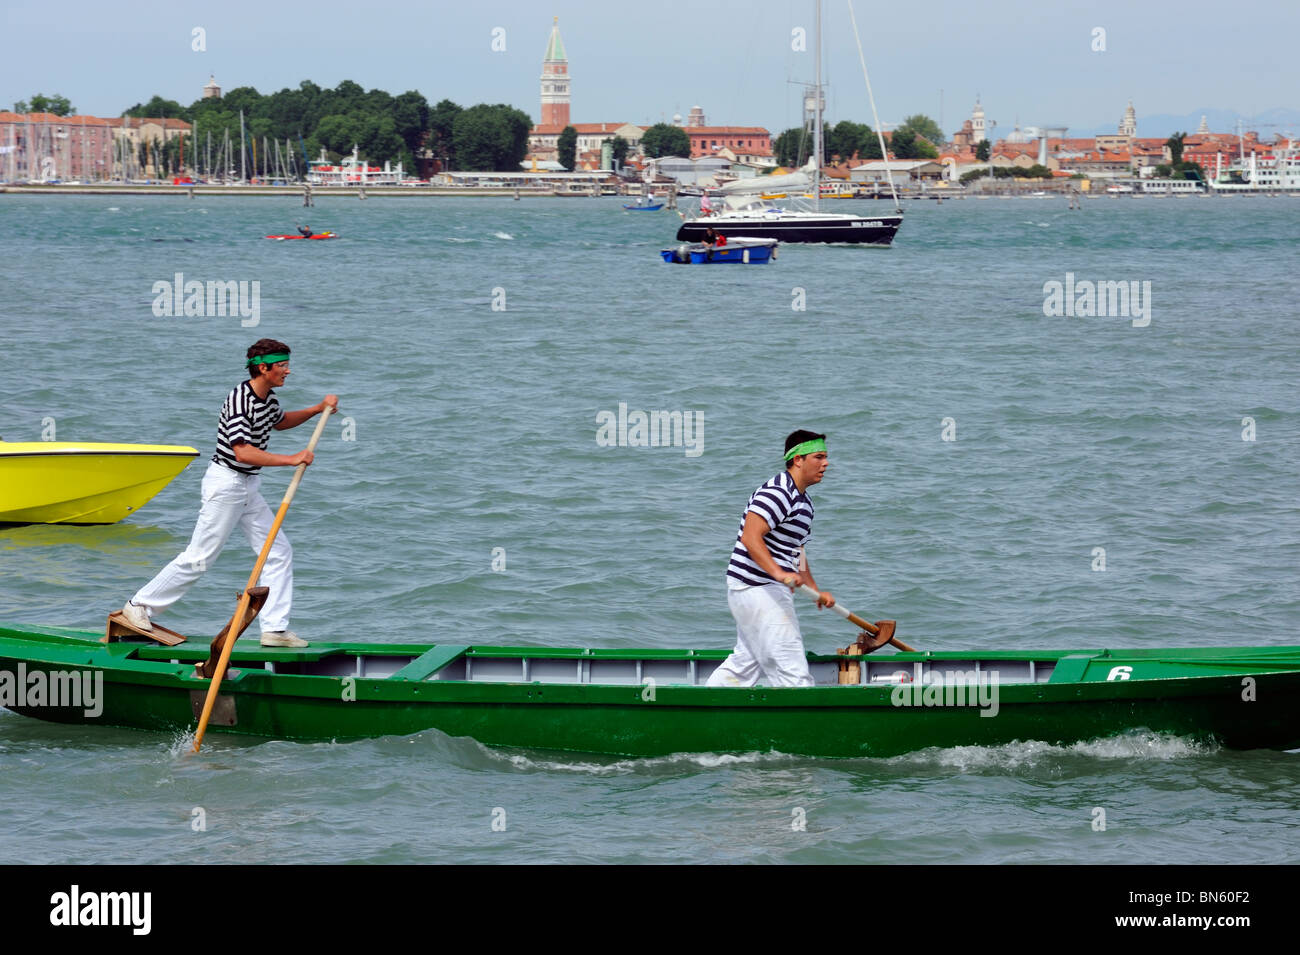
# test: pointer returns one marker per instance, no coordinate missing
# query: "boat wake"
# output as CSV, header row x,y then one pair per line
x,y
643,765
1030,754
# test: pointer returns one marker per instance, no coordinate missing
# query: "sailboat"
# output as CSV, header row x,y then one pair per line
x,y
746,213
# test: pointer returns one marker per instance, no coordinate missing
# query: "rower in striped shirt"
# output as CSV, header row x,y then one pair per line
x,y
767,562
232,496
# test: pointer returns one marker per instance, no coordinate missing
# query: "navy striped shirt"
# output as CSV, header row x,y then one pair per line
x,y
245,419
789,516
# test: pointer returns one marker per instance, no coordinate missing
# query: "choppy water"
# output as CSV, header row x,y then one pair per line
x,y
475,429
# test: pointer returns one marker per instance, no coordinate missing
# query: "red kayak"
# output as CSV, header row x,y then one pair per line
x,y
318,235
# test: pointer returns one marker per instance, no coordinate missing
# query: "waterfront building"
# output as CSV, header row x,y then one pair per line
x,y
741,140
44,147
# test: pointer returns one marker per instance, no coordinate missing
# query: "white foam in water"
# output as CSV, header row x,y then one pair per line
x,y
452,238
181,744
1161,746
503,235
625,766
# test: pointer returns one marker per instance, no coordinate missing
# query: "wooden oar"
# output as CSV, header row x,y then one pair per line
x,y
233,628
883,631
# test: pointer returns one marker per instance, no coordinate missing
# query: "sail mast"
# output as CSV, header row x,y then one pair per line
x,y
817,107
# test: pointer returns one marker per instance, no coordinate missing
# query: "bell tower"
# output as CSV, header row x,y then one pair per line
x,y
555,81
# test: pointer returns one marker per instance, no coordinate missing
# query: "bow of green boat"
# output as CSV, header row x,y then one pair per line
x,y
655,702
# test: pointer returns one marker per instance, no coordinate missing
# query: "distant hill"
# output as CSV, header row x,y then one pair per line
x,y
1279,121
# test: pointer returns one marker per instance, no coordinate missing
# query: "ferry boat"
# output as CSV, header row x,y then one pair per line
x,y
1278,172
352,171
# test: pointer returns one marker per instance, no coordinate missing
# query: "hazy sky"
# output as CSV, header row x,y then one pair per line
x,y
1030,60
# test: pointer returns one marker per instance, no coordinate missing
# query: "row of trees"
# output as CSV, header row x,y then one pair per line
x,y
913,139
1036,171
40,103
384,127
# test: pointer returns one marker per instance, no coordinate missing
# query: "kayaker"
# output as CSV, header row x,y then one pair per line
x,y
232,496
306,232
767,563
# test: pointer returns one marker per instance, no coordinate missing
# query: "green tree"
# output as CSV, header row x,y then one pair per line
x,y
40,103
847,138
566,147
159,108
619,146
410,113
903,144
442,120
490,138
1175,146
338,134
662,139
983,150
924,127
791,148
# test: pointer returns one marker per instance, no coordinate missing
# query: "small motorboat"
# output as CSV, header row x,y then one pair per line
x,y
317,235
69,482
738,249
650,208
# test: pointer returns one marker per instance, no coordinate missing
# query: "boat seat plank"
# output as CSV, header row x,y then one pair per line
x,y
429,662
1071,667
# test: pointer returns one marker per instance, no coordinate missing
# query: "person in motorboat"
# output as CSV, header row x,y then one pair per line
x,y
713,238
232,496
767,562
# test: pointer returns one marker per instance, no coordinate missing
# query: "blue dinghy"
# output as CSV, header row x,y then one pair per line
x,y
736,250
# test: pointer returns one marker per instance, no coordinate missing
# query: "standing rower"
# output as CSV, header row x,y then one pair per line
x,y
231,495
767,563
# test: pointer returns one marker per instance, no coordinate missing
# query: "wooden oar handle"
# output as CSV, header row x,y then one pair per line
x,y
857,621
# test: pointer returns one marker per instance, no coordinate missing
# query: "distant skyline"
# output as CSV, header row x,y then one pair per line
x,y
1029,62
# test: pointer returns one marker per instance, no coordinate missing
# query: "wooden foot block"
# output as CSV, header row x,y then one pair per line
x,y
119,628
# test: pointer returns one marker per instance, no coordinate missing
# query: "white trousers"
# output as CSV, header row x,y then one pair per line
x,y
769,646
229,499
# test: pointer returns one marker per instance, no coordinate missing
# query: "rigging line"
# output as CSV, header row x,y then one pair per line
x,y
875,117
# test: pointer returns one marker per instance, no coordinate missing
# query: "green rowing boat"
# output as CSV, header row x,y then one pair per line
x,y
654,702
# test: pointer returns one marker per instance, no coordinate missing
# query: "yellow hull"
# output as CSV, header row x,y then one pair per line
x,y
68,482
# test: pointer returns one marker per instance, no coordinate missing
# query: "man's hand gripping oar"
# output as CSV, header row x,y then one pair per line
x,y
874,635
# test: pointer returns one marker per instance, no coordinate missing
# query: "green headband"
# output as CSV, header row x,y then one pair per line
x,y
267,359
808,447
